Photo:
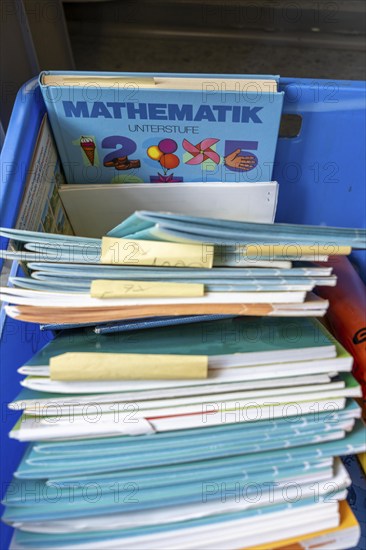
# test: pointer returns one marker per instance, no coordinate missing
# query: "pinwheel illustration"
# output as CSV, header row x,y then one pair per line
x,y
202,151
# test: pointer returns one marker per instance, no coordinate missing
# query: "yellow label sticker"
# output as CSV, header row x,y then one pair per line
x,y
127,366
155,253
104,288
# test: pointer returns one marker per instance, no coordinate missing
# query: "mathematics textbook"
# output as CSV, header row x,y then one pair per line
x,y
139,127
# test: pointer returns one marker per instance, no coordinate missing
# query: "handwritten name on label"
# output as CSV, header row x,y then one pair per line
x,y
104,288
155,253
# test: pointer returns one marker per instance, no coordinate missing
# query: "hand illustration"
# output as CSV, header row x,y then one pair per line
x,y
242,163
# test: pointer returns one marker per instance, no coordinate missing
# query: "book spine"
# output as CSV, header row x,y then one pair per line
x,y
51,102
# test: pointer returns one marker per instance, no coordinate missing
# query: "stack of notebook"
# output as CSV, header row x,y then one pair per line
x,y
242,456
224,432
183,377
199,261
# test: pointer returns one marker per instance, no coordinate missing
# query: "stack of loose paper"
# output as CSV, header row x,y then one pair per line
x,y
156,264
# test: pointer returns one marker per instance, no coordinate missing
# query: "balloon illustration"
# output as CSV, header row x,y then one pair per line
x,y
164,154
154,152
169,161
168,146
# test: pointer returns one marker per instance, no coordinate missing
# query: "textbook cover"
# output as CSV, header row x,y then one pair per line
x,y
135,128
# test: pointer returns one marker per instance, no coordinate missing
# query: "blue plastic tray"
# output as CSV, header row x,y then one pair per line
x,y
321,173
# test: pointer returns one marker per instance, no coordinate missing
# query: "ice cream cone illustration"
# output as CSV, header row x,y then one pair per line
x,y
88,146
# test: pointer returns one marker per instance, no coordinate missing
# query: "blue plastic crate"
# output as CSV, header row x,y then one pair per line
x,y
321,173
